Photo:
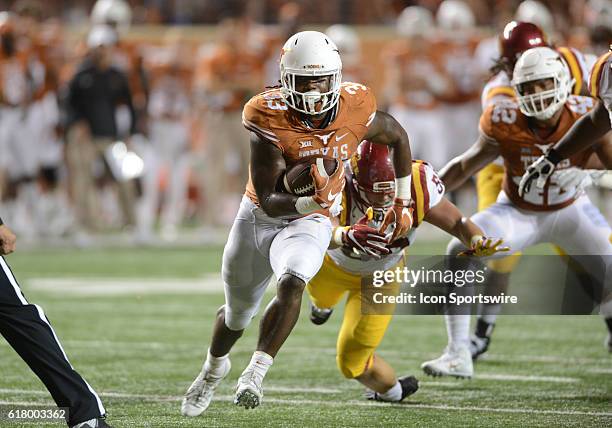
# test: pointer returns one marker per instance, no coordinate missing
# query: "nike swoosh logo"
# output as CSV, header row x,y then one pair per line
x,y
338,138
332,196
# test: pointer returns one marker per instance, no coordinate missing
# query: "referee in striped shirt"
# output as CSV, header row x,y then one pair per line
x,y
26,328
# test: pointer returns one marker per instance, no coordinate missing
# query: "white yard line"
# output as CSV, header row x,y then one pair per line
x,y
523,378
210,283
230,398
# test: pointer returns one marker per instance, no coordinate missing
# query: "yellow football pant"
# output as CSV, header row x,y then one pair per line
x,y
360,334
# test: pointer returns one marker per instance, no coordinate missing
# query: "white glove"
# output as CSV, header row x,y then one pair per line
x,y
578,178
539,171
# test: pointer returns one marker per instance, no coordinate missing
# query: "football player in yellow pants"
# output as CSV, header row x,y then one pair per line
x,y
358,249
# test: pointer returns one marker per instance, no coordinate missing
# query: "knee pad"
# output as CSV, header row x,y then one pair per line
x,y
352,366
505,264
238,320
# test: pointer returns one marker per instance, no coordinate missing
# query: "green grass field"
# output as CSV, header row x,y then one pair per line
x,y
141,347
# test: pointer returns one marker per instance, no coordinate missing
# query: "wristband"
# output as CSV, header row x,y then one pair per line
x,y
338,235
475,239
306,205
402,187
553,156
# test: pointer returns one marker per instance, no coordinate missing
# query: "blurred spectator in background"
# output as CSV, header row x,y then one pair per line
x,y
289,20
93,127
460,109
414,79
168,160
18,151
126,54
349,45
227,75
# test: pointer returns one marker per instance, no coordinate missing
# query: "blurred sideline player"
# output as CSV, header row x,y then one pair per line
x,y
516,38
226,76
349,45
563,216
414,80
126,56
357,250
312,114
169,133
456,44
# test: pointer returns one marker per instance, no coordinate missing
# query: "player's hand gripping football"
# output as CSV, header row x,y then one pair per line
x,y
483,247
399,215
327,188
540,171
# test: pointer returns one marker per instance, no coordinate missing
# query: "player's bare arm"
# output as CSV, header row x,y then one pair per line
x,y
385,130
458,170
446,216
604,153
267,165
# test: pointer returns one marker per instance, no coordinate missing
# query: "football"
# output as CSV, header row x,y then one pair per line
x,y
297,179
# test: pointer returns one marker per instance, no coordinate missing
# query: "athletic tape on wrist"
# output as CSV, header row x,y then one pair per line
x,y
338,234
402,187
306,205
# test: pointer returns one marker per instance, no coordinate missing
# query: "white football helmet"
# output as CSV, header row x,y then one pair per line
x,y
538,64
310,53
112,12
455,15
537,13
347,41
414,21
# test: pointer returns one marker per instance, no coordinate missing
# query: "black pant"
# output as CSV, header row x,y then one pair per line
x,y
26,328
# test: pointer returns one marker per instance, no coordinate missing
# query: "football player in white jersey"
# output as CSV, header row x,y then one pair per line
x,y
562,216
357,251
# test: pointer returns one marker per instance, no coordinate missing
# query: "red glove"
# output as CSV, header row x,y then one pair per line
x,y
327,188
366,240
400,216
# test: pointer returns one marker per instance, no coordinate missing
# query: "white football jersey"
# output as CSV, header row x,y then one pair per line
x,y
427,192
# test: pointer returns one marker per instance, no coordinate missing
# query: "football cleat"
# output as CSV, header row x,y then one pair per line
x,y
608,342
93,423
200,393
319,316
409,384
478,346
249,391
454,362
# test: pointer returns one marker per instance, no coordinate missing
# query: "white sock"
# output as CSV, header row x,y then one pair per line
x,y
489,313
458,330
392,394
605,310
260,362
214,363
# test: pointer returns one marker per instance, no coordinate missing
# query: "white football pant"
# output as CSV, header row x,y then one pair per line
x,y
259,245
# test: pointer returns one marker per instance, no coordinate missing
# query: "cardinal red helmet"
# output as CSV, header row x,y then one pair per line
x,y
518,37
373,176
